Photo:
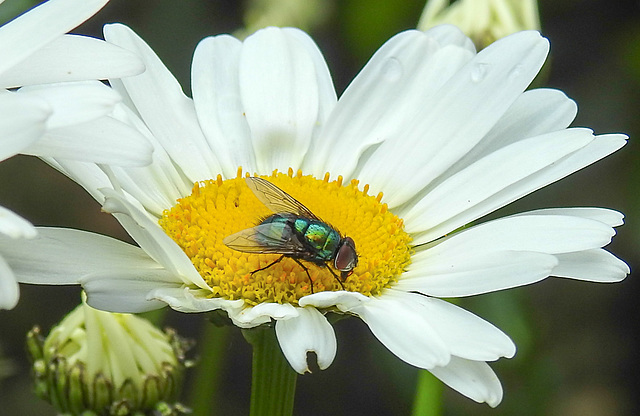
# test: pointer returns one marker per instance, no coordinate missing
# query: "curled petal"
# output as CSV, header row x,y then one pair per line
x,y
184,299
344,301
307,332
9,290
250,317
14,226
592,265
474,379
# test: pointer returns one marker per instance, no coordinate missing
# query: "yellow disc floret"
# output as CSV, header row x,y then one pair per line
x,y
218,208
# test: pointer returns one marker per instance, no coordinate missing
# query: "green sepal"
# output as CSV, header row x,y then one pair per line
x,y
172,382
102,393
58,383
40,387
129,393
151,391
120,408
77,388
35,343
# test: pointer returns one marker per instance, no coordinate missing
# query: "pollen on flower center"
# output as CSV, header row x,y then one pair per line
x,y
218,208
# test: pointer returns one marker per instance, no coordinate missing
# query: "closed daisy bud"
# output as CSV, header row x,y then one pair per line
x,y
484,21
102,363
302,14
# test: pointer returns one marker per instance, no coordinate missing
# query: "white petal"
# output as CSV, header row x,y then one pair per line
x,y
279,90
158,185
542,233
489,176
87,175
23,122
401,75
535,112
127,290
465,273
467,335
155,242
451,35
592,265
64,256
73,58
308,332
9,289
216,96
405,330
327,99
326,92
168,113
607,216
474,379
151,187
34,29
191,300
345,301
253,316
74,102
600,147
455,118
14,226
104,140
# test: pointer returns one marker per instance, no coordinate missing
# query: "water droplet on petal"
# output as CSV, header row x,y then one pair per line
x,y
515,72
479,72
392,70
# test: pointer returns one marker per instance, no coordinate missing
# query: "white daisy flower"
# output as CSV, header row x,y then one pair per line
x,y
429,137
49,114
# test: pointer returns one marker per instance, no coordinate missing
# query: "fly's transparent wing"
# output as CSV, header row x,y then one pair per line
x,y
275,238
276,199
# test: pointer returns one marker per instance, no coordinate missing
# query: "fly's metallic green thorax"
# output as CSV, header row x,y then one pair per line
x,y
320,239
294,232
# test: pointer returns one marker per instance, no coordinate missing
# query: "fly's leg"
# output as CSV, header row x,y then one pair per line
x,y
336,276
278,260
306,270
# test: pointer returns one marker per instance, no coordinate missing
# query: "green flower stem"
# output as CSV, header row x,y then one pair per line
x,y
273,381
428,400
203,396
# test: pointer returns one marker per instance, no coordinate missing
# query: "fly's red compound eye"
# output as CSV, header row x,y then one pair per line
x,y
346,257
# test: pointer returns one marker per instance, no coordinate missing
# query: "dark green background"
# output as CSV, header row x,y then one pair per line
x,y
577,341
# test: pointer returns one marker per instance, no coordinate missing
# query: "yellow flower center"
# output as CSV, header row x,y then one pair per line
x,y
216,209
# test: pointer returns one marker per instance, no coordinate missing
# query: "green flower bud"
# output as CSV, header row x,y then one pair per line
x,y
108,364
484,21
304,15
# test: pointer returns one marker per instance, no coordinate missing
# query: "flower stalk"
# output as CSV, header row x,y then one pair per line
x,y
428,399
273,381
203,395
